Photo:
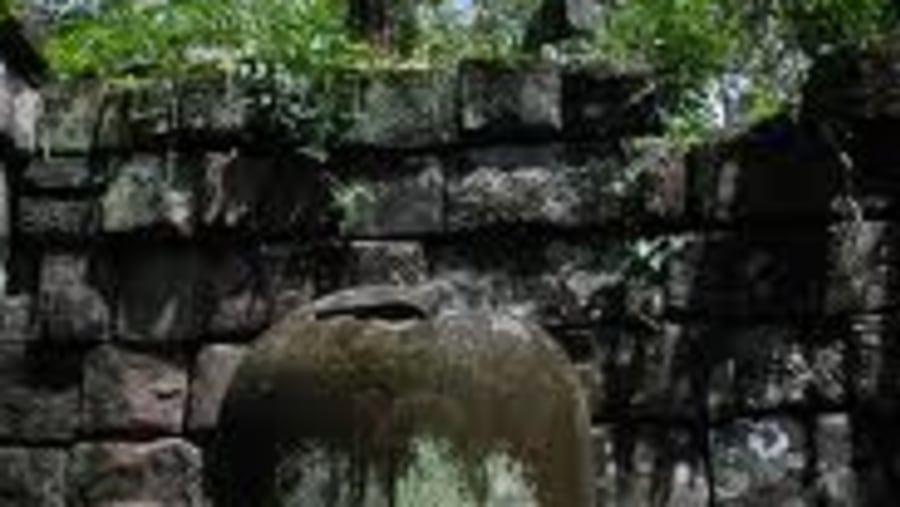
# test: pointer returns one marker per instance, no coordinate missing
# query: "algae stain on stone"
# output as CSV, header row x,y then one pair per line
x,y
434,477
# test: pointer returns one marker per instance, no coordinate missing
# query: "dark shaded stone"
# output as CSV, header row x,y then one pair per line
x,y
149,192
60,173
291,276
862,256
159,294
69,306
16,319
160,473
599,104
263,194
501,101
236,291
133,392
38,392
392,197
768,367
213,372
875,360
646,372
649,466
46,216
33,477
751,274
778,169
761,462
407,109
389,263
836,481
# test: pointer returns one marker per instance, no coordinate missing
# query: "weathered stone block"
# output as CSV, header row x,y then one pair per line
x,y
401,197
598,104
213,371
875,360
502,101
33,477
159,473
389,263
38,392
20,104
836,480
212,107
46,216
767,367
406,109
862,256
16,319
761,462
649,466
543,185
78,118
257,193
646,372
70,307
56,173
159,295
236,292
754,273
776,170
149,192
133,392
553,281
291,274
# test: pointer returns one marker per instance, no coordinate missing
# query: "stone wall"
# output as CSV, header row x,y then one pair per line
x,y
731,309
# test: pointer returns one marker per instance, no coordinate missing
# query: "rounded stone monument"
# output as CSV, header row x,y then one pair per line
x,y
342,407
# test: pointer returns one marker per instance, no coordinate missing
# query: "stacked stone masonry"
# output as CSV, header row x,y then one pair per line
x,y
733,322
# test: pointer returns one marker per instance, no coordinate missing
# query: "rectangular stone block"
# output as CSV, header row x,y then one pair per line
x,y
212,108
392,197
761,462
503,101
134,392
20,103
213,370
874,360
61,173
33,477
645,372
58,217
756,273
600,105
550,280
159,473
648,465
387,263
775,170
39,392
71,304
403,109
149,192
862,274
758,366
159,294
77,118
257,193
236,291
16,319
836,481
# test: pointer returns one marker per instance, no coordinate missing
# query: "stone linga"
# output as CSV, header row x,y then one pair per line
x,y
460,410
